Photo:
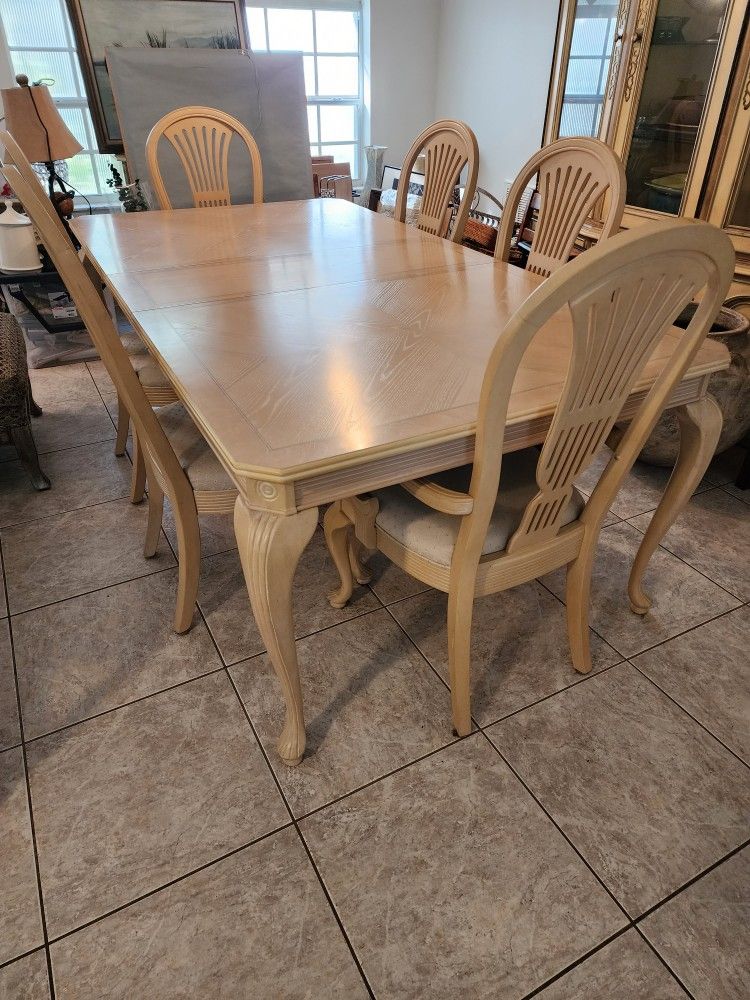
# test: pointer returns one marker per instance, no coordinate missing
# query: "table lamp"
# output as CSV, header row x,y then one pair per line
x,y
35,123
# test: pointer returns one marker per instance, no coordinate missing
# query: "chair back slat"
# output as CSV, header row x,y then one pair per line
x,y
201,137
448,147
573,175
622,296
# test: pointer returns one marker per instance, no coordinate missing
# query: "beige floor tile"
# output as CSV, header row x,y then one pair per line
x,y
642,489
704,932
448,873
713,535
682,598
26,979
255,925
371,705
646,795
80,477
391,583
224,601
10,733
519,646
708,672
73,412
128,801
70,554
626,969
70,667
20,918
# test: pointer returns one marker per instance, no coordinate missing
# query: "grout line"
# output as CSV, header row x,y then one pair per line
x,y
559,829
688,713
72,510
663,961
86,593
124,704
691,881
168,885
29,803
573,965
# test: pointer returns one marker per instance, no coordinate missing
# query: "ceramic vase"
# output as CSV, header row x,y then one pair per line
x,y
374,156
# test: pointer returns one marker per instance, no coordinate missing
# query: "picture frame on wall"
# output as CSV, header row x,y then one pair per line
x,y
102,24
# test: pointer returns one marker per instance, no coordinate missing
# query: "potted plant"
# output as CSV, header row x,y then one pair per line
x,y
130,195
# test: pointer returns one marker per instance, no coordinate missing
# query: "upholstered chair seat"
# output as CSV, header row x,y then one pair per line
x,y
432,535
201,466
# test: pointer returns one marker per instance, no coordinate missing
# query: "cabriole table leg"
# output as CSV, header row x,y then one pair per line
x,y
700,427
270,547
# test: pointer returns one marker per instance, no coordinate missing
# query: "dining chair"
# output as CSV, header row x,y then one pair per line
x,y
201,137
573,174
448,146
158,390
178,461
507,519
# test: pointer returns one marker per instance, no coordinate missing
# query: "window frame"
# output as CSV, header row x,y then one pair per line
x,y
314,100
102,196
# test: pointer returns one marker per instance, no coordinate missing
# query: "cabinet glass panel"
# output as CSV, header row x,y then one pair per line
x,y
678,72
588,66
740,215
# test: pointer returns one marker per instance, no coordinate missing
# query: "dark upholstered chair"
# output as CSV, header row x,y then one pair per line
x,y
16,402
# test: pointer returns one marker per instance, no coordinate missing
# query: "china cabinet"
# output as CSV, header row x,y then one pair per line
x,y
666,83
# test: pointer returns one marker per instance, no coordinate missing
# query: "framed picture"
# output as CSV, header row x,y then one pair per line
x,y
392,175
159,24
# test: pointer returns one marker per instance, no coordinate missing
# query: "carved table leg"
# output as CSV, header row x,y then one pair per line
x,y
270,547
700,427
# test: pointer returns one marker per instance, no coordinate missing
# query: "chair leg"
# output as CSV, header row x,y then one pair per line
x,y
123,425
138,476
189,556
155,515
23,439
460,614
358,555
578,600
339,532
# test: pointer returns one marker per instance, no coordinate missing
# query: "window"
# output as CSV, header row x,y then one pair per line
x,y
42,46
329,36
588,67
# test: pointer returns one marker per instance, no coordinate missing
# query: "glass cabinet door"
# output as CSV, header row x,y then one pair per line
x,y
680,65
588,34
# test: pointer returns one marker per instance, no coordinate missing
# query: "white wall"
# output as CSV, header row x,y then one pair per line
x,y
495,58
402,72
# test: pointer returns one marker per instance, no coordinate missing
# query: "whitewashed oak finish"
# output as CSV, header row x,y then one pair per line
x,y
325,351
166,475
621,298
448,146
573,176
201,137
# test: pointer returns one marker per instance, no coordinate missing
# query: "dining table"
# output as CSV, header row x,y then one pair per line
x,y
325,351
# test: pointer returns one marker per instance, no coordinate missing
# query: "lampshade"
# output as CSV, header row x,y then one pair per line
x,y
28,112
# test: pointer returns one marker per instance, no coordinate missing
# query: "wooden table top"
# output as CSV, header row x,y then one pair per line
x,y
308,336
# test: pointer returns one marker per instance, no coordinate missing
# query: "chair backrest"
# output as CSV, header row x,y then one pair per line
x,y
622,296
94,314
448,147
201,138
573,176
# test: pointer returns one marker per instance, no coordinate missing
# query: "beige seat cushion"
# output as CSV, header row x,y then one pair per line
x,y
151,376
202,467
433,535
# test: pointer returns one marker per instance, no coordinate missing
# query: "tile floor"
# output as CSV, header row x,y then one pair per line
x,y
588,840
